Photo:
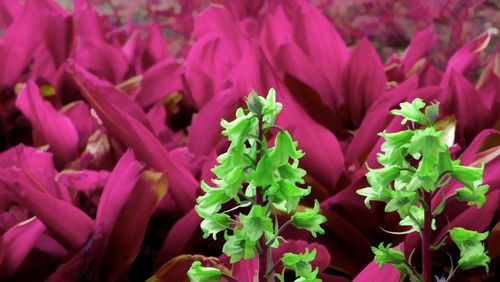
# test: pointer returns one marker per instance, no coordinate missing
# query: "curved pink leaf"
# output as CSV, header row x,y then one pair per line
x,y
56,129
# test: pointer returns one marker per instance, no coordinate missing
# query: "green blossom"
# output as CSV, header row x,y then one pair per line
x,y
472,252
310,220
301,263
198,273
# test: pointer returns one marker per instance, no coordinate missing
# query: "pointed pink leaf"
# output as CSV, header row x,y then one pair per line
x,y
71,226
16,244
55,128
463,59
118,187
363,81
101,58
204,132
373,273
207,69
158,82
178,239
147,147
420,43
133,220
319,40
462,100
19,43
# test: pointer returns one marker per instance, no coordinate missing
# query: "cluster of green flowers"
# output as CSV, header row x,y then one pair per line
x,y
414,162
261,180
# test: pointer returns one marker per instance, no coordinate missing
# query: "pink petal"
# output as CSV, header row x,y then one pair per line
x,y
316,36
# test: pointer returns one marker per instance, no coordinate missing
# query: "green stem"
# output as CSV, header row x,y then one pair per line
x,y
265,255
271,241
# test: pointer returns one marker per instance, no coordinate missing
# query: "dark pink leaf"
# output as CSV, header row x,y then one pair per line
x,y
56,129
420,43
132,220
373,273
363,81
204,132
147,147
158,82
19,43
71,226
16,244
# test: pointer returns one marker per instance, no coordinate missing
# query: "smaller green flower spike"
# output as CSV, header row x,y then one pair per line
x,y
415,163
198,273
259,177
472,252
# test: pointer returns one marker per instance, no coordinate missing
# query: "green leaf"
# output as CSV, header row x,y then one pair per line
x,y
411,111
256,223
238,246
310,278
300,263
198,273
310,220
385,255
472,252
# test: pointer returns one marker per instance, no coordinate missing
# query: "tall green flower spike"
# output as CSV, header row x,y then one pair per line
x,y
415,163
258,178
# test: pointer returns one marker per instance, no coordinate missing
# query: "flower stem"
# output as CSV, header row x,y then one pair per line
x,y
265,256
426,236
